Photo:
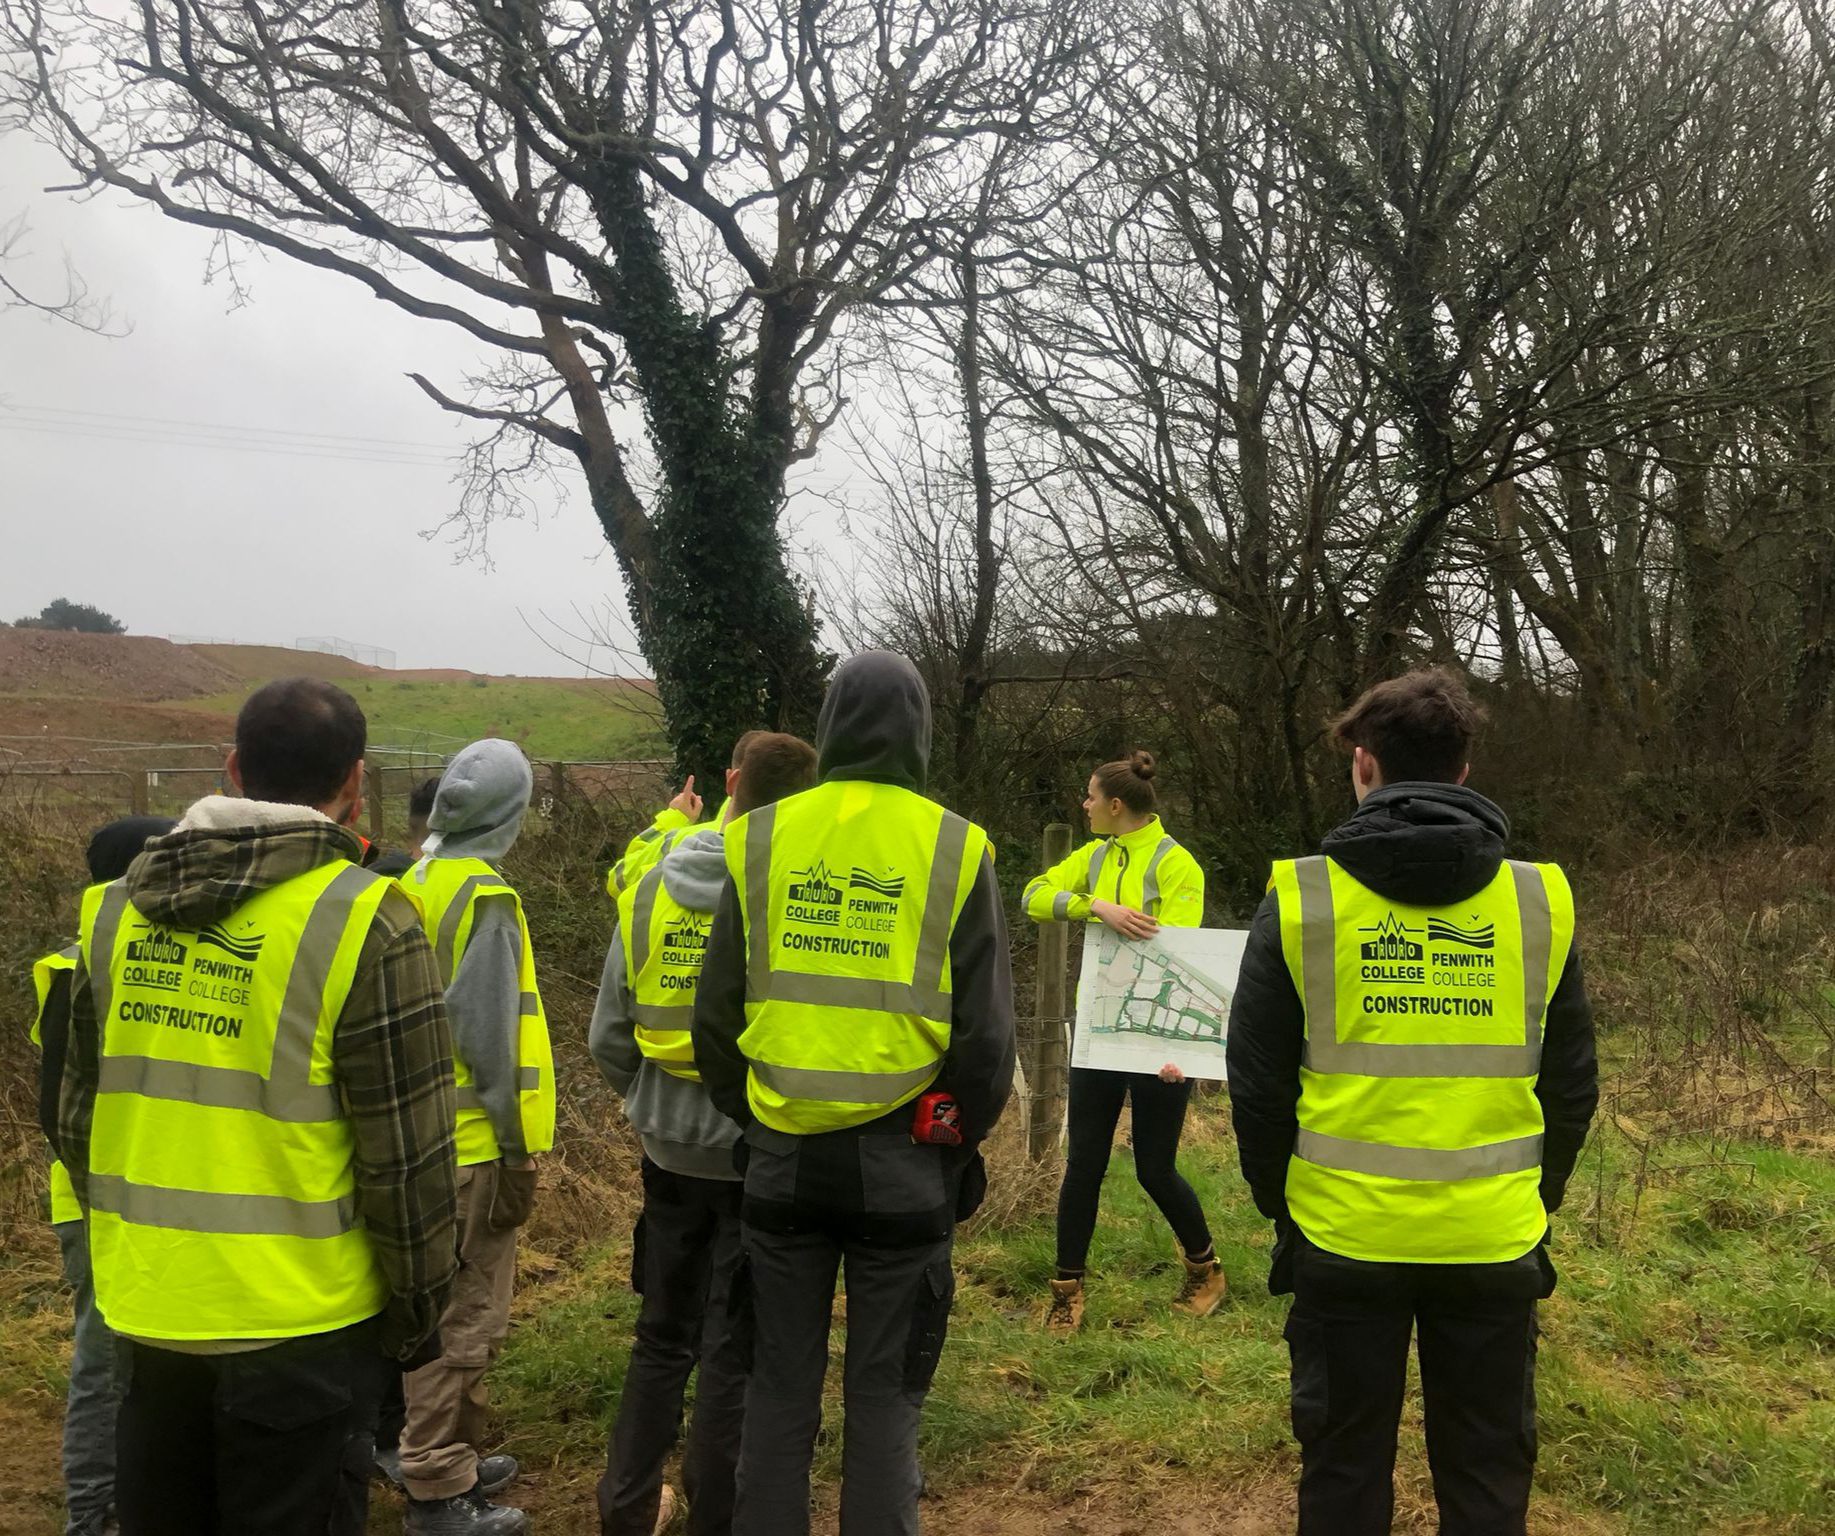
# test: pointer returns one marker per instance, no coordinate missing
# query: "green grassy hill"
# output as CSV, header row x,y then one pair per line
x,y
577,719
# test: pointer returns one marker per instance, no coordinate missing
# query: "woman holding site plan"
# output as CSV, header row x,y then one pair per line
x,y
1134,877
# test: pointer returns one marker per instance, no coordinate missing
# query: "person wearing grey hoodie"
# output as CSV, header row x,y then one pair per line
x,y
686,1248
500,1042
867,1195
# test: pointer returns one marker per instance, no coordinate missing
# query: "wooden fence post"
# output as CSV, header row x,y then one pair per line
x,y
1048,1066
138,797
557,782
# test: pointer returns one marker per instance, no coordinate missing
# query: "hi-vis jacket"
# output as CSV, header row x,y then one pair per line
x,y
848,893
220,1180
664,945
1145,869
449,892
45,971
1420,1133
650,847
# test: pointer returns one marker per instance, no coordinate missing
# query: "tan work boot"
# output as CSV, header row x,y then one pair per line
x,y
665,1510
1203,1289
1066,1314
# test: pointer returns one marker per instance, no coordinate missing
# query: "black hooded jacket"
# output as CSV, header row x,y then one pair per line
x,y
875,725
1427,845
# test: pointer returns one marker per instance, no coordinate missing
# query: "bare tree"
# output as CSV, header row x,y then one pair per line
x,y
659,210
75,304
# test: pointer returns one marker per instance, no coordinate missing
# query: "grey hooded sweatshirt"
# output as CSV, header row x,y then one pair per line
x,y
875,725
483,797
674,1118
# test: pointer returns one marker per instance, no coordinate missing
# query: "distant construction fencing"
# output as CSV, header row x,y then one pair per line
x,y
109,779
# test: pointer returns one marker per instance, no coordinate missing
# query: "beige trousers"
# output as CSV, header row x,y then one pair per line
x,y
447,1400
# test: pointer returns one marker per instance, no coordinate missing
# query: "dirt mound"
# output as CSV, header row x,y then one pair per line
x,y
65,664
259,664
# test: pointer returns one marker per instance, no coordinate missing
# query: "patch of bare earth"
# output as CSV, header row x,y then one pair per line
x,y
66,664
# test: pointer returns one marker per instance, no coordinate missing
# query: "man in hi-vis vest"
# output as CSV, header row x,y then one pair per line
x,y
1411,1077
92,1403
504,1075
855,1015
256,1115
686,1248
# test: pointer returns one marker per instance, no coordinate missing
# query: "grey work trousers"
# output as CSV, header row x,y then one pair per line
x,y
898,1302
94,1400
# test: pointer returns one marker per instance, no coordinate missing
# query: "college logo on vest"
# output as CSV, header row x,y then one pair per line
x,y
1443,955
1394,941
685,943
814,898
156,960
1463,957
244,947
891,887
868,905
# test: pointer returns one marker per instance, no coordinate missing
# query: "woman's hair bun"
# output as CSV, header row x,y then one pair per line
x,y
1143,764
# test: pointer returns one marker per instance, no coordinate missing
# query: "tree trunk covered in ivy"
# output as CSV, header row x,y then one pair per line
x,y
731,639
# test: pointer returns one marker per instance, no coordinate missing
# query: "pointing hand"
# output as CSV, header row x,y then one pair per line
x,y
687,801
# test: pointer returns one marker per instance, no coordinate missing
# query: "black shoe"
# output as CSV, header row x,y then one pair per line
x,y
496,1473
469,1514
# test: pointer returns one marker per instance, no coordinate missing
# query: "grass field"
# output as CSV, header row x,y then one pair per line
x,y
100,689
1687,1381
575,720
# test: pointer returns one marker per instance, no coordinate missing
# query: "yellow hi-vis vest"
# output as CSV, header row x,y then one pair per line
x,y
850,892
221,1191
448,892
664,945
44,972
1420,1134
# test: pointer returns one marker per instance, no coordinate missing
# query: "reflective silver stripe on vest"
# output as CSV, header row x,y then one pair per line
x,y
190,1210
454,915
531,1004
663,1015
643,913
939,911
102,953
1150,882
1325,1052
758,829
1060,905
220,1088
857,992
287,1092
528,1079
1435,1165
1538,939
842,1087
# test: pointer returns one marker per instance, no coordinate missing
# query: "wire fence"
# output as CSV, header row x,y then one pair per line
x,y
111,779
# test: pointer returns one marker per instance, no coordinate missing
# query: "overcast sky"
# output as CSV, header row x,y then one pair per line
x,y
177,533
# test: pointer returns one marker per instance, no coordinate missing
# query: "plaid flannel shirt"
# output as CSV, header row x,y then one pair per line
x,y
391,1050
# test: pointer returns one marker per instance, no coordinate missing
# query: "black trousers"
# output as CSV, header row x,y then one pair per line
x,y
685,1257
882,1210
1348,1334
1159,1120
271,1442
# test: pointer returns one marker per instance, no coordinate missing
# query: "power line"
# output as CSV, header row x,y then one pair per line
x,y
218,427
180,440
